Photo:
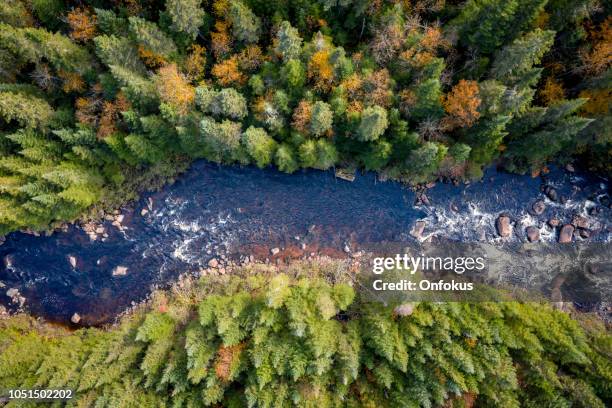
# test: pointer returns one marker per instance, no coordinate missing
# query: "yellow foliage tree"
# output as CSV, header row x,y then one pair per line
x,y
173,88
320,71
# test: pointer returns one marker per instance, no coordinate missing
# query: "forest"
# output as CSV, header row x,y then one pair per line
x,y
307,338
101,100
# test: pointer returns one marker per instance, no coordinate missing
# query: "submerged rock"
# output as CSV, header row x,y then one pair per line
x,y
538,207
566,234
120,270
13,293
417,230
533,234
503,226
579,221
551,193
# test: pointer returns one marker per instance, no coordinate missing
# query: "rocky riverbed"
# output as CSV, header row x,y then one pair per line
x,y
216,217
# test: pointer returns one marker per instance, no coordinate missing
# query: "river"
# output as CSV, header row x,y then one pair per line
x,y
214,211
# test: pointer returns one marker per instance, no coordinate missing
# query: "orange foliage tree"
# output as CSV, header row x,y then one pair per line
x,y
461,104
227,72
552,91
599,58
195,62
82,23
301,116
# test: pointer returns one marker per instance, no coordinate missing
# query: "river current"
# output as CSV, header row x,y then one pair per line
x,y
223,210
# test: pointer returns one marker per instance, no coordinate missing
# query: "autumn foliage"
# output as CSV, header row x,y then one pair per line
x,y
461,104
173,88
82,23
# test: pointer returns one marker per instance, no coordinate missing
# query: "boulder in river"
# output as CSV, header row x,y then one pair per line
x,y
274,251
13,293
533,234
585,233
417,230
120,270
503,226
538,207
566,234
144,211
72,260
579,221
75,318
213,263
554,222
551,193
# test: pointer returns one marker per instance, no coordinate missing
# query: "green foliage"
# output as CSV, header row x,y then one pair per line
x,y
373,123
363,83
224,103
285,341
33,45
285,159
27,110
150,36
246,26
321,118
187,15
289,42
259,145
488,24
514,64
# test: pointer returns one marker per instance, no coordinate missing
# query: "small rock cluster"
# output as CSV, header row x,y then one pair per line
x,y
577,227
99,231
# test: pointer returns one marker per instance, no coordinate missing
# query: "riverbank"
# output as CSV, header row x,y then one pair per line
x,y
214,335
220,214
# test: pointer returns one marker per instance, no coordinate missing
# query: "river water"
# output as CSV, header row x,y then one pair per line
x,y
222,210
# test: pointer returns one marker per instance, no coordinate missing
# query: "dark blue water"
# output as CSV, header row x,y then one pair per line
x,y
215,210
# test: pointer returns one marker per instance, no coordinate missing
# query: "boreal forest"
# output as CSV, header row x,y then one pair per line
x,y
100,100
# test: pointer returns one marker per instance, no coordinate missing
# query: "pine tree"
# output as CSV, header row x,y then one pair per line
x,y
488,24
514,64
152,38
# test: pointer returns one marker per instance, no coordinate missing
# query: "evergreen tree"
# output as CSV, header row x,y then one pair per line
x,y
488,24
514,64
152,38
